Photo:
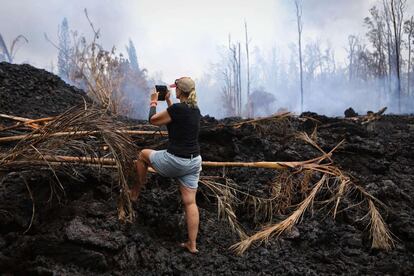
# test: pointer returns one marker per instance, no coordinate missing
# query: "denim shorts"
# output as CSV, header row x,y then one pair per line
x,y
185,170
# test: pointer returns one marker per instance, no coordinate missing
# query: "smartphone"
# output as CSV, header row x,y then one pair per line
x,y
162,92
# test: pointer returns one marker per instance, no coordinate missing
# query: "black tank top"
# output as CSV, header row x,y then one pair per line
x,y
183,130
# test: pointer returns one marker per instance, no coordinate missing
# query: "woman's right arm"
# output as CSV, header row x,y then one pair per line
x,y
158,119
161,118
168,100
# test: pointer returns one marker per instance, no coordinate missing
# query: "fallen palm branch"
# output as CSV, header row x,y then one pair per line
x,y
269,118
371,116
285,225
312,163
43,145
269,165
82,133
338,185
26,122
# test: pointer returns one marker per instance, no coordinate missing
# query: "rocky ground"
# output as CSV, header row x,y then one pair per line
x,y
78,232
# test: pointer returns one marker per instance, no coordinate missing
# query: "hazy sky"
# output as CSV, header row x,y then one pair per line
x,y
179,37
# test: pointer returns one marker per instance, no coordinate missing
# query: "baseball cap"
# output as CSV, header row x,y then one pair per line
x,y
185,84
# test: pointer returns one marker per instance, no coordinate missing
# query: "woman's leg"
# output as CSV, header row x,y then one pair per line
x,y
142,168
192,217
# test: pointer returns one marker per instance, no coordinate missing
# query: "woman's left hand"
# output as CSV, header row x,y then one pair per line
x,y
154,95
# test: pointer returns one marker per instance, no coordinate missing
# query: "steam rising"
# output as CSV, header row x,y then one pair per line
x,y
190,38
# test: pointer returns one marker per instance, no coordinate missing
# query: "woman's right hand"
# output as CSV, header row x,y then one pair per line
x,y
167,98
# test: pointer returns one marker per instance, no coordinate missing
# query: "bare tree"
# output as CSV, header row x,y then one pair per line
x,y
377,58
247,68
389,44
352,47
397,15
298,5
235,65
230,69
376,36
409,30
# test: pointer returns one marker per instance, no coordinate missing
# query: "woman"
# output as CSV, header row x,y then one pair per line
x,y
182,159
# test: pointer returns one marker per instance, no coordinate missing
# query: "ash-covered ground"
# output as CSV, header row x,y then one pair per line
x,y
78,232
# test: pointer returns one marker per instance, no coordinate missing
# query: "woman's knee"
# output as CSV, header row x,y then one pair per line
x,y
144,155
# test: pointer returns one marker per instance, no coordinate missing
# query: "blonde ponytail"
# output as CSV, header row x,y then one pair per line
x,y
192,99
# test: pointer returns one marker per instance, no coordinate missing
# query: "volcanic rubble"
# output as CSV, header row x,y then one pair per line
x,y
79,233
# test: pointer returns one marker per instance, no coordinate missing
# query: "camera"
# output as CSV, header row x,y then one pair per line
x,y
162,92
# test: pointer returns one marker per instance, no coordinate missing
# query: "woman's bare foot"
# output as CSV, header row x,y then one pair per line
x,y
190,247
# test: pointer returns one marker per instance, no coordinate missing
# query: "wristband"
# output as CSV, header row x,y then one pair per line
x,y
153,102
152,112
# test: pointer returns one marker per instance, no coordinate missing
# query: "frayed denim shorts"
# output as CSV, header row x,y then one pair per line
x,y
185,170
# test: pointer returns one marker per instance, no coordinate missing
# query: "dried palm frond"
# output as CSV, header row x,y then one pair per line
x,y
338,183
226,201
229,196
343,185
310,140
304,184
43,144
380,234
282,226
335,181
286,193
82,133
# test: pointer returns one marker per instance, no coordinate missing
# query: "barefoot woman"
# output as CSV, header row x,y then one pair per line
x,y
182,159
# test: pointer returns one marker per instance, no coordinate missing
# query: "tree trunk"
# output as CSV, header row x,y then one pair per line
x,y
248,70
410,34
397,39
300,27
